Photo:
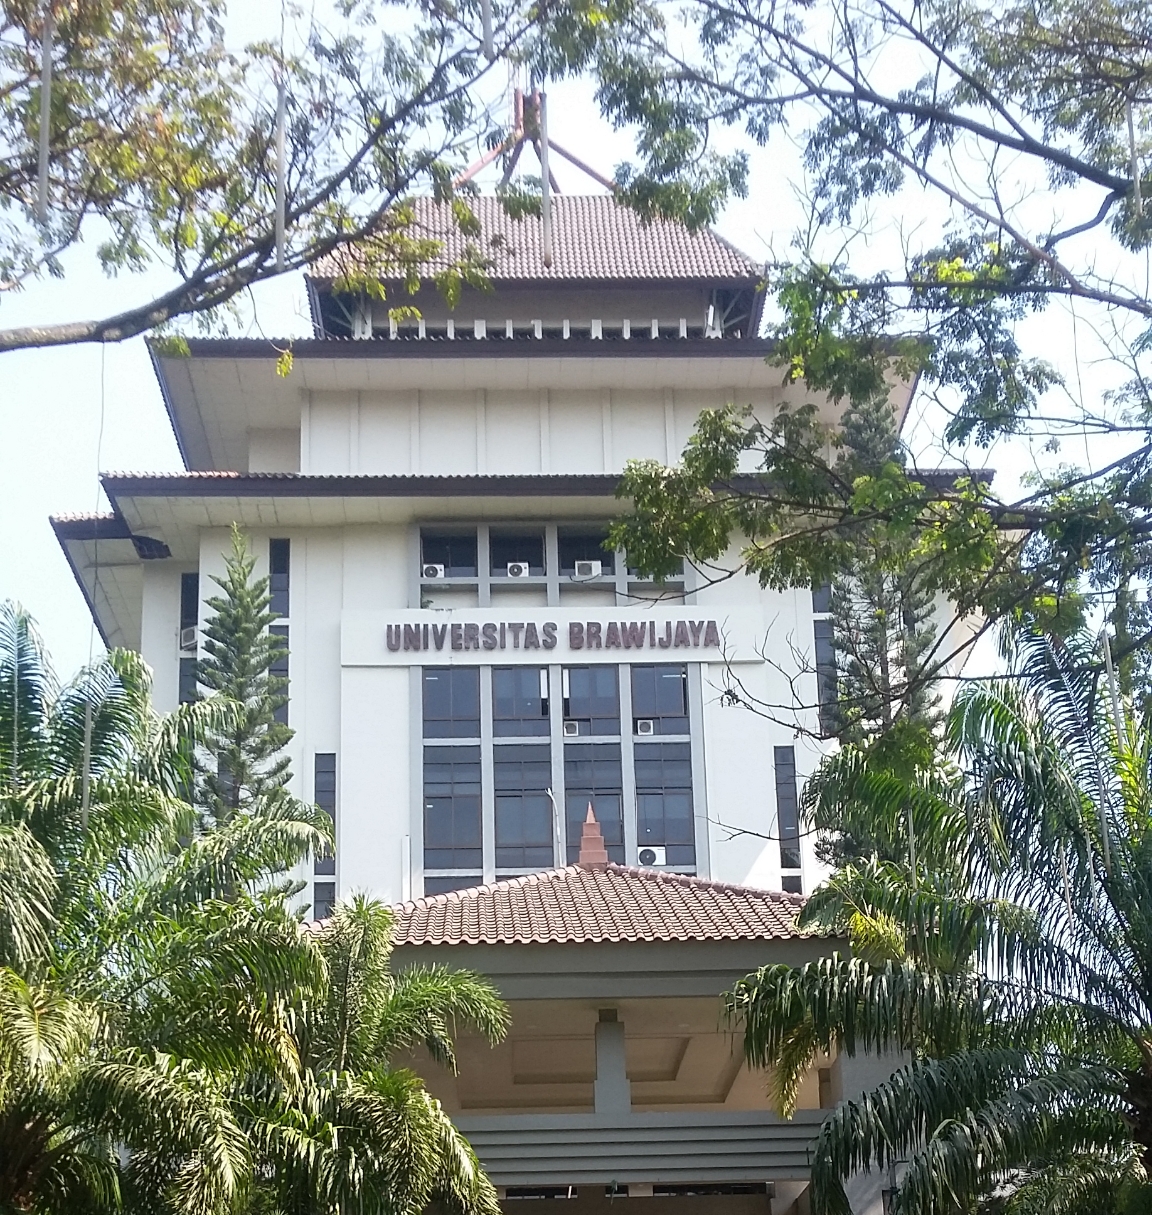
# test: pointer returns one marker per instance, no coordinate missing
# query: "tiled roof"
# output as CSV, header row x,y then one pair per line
x,y
594,238
591,904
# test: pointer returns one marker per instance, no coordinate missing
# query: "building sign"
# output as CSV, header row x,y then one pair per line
x,y
544,635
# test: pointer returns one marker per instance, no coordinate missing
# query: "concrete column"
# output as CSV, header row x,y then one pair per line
x,y
612,1092
851,1077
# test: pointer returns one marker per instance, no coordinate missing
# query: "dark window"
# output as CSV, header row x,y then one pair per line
x,y
664,800
584,546
324,793
442,885
455,552
522,775
825,648
787,808
278,669
187,687
519,701
323,899
822,599
592,699
660,696
279,562
516,548
452,808
189,600
592,774
451,702
792,883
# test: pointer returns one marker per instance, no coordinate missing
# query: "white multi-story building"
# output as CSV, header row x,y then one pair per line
x,y
469,668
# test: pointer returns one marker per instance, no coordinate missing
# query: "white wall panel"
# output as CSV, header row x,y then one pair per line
x,y
159,631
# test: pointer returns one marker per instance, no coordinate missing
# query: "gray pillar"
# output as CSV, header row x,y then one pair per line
x,y
851,1077
613,1093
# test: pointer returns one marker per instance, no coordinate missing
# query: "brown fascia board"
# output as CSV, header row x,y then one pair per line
x,y
494,347
305,485
80,529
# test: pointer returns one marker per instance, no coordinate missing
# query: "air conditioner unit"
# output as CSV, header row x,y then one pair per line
x,y
571,729
653,856
645,726
432,571
188,638
589,569
519,569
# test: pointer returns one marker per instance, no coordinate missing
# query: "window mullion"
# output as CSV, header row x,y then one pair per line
x,y
627,770
487,777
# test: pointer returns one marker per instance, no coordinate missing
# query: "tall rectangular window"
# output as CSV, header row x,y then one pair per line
x,y
455,551
279,669
787,808
664,800
522,775
593,774
187,685
514,551
451,702
189,601
323,899
586,545
660,699
591,700
824,652
452,838
519,701
324,794
279,566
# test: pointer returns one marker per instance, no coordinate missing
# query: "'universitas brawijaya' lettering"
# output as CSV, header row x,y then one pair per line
x,y
582,635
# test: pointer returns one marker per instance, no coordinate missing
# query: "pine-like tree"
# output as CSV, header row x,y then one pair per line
x,y
243,768
886,701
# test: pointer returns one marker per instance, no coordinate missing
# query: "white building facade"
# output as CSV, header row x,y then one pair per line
x,y
469,667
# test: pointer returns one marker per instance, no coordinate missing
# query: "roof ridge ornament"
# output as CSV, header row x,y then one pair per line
x,y
593,852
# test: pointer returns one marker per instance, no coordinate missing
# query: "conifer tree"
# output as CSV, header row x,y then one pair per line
x,y
243,768
886,703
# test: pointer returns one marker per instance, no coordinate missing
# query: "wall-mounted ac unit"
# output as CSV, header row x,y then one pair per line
x,y
431,571
519,569
571,729
188,638
589,569
653,856
645,727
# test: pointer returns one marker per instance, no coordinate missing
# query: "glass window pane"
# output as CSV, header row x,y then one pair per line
x,y
516,548
456,552
279,567
452,807
584,546
787,810
443,885
592,774
451,702
519,701
592,699
660,696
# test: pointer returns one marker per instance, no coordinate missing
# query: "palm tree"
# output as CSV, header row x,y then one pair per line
x,y
1014,967
395,1150
135,984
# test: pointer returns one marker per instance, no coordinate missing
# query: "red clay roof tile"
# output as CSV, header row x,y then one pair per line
x,y
578,904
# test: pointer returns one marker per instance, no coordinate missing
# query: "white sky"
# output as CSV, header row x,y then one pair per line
x,y
67,413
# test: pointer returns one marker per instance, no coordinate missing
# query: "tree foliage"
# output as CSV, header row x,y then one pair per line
x,y
171,1038
1015,120
162,146
1008,963
242,766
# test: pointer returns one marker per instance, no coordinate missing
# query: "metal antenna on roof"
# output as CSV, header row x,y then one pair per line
x,y
486,21
545,180
45,113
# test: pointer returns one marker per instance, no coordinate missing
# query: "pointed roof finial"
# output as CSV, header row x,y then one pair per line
x,y
593,853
